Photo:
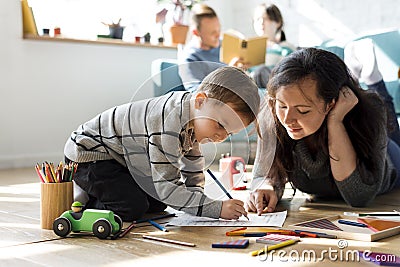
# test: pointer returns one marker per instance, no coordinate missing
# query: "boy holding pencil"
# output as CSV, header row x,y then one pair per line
x,y
145,155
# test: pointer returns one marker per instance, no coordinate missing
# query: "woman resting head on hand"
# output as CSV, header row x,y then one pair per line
x,y
331,135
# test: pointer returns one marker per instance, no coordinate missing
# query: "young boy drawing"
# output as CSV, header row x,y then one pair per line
x,y
142,156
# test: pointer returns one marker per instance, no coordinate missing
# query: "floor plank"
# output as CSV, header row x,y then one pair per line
x,y
24,243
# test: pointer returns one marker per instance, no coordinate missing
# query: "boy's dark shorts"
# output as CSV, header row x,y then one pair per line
x,y
110,186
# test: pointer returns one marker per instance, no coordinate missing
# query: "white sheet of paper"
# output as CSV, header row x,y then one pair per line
x,y
269,219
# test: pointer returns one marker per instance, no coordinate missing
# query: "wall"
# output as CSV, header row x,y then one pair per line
x,y
309,22
49,88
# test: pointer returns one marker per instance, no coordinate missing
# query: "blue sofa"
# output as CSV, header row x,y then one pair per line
x,y
387,45
166,77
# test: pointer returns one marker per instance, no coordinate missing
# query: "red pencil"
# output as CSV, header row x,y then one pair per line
x,y
39,174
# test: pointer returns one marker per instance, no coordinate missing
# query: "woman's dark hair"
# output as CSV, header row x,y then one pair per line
x,y
283,36
363,123
274,14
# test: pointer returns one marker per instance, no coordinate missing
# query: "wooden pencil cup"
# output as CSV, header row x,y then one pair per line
x,y
55,198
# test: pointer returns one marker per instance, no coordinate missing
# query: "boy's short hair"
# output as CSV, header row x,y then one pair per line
x,y
231,85
200,11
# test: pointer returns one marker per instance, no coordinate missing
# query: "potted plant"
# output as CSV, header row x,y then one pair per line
x,y
180,18
116,30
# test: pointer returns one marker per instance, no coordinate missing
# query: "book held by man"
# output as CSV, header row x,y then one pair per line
x,y
252,51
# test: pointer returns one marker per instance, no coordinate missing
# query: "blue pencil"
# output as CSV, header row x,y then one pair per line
x,y
162,228
219,184
254,234
222,187
352,223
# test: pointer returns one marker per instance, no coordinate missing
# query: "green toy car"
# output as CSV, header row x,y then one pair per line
x,y
102,223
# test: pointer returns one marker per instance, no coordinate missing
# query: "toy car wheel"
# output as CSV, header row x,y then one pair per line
x,y
119,221
102,228
62,227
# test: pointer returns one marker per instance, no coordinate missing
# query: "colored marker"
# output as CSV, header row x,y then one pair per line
x,y
352,223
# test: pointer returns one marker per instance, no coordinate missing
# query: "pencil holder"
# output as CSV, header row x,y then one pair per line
x,y
55,198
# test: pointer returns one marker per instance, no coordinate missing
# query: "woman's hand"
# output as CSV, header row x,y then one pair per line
x,y
262,200
232,209
343,157
345,102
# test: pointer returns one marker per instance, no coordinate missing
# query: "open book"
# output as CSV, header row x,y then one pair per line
x,y
251,50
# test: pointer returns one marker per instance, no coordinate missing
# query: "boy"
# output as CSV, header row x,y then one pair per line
x,y
141,156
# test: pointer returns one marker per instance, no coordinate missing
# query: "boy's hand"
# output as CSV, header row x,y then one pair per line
x,y
232,209
262,200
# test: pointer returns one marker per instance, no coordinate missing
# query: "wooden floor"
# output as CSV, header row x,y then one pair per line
x,y
24,243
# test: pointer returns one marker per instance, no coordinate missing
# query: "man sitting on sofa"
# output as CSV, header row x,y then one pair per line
x,y
201,55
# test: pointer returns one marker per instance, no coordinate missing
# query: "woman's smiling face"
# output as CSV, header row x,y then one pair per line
x,y
299,109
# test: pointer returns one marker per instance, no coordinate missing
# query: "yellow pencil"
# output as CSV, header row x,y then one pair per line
x,y
273,247
53,173
256,230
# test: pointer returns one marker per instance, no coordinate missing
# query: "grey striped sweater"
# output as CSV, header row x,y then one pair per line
x,y
154,139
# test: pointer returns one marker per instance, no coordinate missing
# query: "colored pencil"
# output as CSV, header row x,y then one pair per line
x,y
171,241
273,247
352,223
50,174
257,231
219,184
37,168
130,227
123,232
222,187
379,214
322,235
156,218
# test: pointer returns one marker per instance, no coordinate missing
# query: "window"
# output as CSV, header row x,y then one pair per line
x,y
82,19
